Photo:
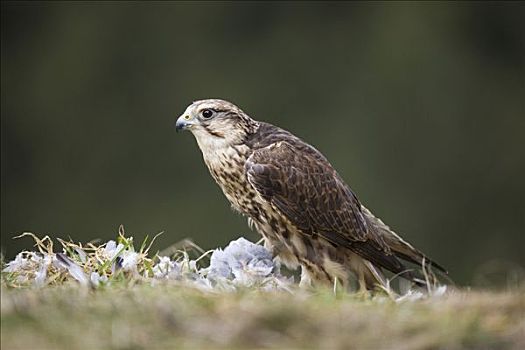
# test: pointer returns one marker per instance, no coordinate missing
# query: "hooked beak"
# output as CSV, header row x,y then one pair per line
x,y
184,122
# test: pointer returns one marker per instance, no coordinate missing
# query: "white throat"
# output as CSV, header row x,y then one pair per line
x,y
212,147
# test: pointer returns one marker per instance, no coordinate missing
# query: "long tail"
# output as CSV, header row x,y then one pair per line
x,y
399,247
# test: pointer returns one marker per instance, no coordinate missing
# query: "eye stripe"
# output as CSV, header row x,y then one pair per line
x,y
214,133
227,112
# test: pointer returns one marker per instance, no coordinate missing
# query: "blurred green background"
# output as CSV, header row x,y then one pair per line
x,y
420,107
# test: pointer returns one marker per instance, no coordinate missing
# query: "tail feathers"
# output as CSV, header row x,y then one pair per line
x,y
399,247
418,258
373,277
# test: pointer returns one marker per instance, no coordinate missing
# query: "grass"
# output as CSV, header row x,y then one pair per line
x,y
133,312
169,315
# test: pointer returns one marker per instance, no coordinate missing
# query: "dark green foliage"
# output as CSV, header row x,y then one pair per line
x,y
419,106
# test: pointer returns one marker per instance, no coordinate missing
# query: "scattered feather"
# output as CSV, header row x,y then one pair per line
x,y
76,271
241,264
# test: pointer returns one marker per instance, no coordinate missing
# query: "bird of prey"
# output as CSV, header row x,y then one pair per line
x,y
308,216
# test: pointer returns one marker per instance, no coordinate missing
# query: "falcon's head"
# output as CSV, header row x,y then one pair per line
x,y
216,123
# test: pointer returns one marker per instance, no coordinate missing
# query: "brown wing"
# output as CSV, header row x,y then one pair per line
x,y
299,182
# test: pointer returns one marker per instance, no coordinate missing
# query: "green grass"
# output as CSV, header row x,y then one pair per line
x,y
169,315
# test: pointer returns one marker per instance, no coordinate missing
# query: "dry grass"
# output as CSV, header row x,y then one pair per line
x,y
171,316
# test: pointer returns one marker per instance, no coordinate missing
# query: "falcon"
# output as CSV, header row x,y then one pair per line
x,y
308,216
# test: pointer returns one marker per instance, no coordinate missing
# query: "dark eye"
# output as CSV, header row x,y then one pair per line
x,y
207,113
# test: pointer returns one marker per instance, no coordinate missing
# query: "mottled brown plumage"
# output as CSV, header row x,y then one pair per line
x,y
293,196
